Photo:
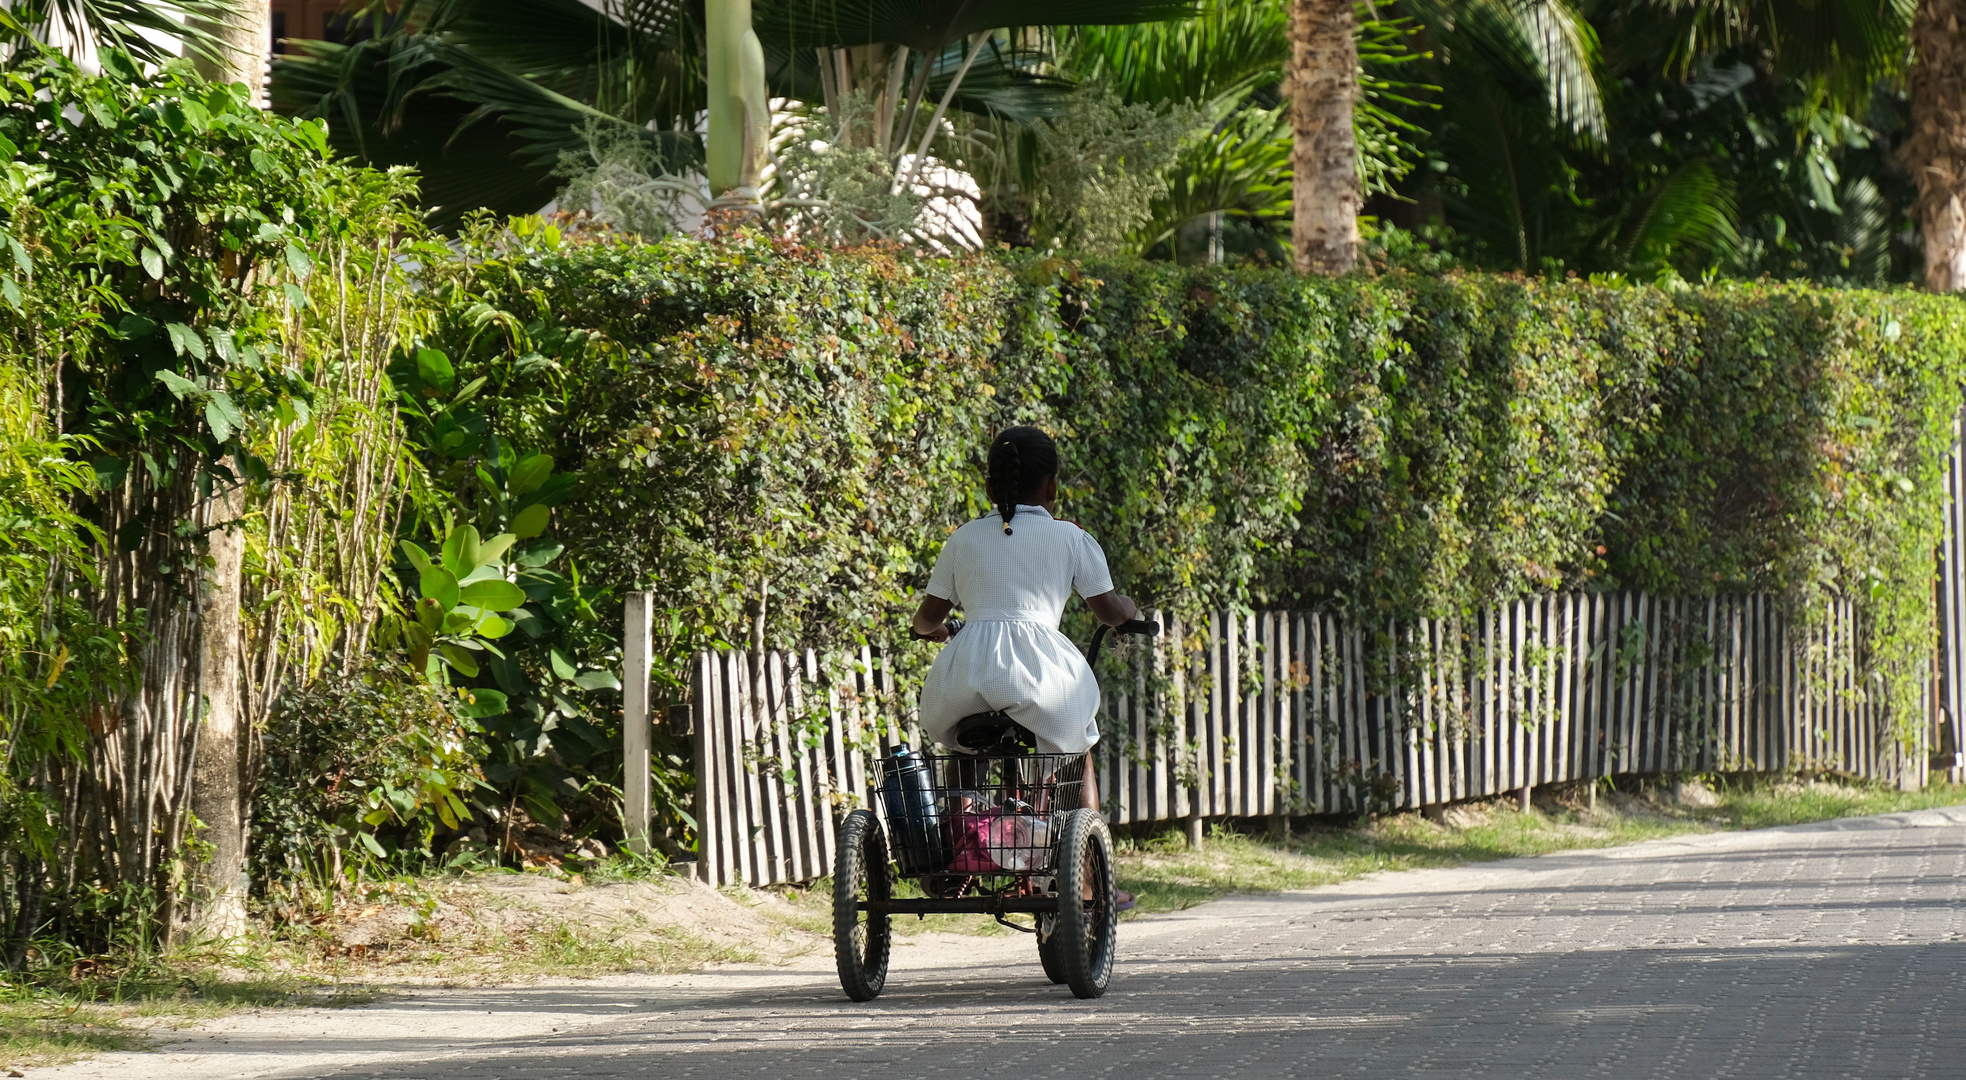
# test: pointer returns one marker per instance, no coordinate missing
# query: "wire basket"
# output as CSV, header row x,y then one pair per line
x,y
955,817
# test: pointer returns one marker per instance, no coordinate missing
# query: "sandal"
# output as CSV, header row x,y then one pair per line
x,y
1123,901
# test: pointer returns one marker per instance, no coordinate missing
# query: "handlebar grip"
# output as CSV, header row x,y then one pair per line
x,y
1143,627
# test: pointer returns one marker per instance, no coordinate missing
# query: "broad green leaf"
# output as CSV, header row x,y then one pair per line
x,y
490,550
417,556
538,555
470,390
528,474
369,840
153,263
493,595
298,262
434,368
493,627
11,291
460,658
561,665
483,573
222,344
420,636
532,521
223,416
194,114
483,703
461,550
597,680
439,584
185,340
179,386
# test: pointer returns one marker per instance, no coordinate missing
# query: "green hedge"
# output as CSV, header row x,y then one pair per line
x,y
753,422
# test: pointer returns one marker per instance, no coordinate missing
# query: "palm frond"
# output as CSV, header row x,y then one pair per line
x,y
1229,45
1548,41
1240,168
1843,45
479,135
1691,208
929,26
149,30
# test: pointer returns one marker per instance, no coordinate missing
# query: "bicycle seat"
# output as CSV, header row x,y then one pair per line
x,y
994,733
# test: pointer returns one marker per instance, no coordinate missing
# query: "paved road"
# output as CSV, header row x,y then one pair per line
x,y
1834,950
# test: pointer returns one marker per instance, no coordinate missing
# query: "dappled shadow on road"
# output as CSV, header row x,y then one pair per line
x,y
1795,1011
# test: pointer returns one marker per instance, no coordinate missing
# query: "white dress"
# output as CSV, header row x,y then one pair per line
x,y
1010,656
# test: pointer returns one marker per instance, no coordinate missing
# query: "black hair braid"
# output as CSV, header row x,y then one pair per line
x,y
1020,460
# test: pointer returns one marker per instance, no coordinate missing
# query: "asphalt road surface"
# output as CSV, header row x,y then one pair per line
x,y
1831,950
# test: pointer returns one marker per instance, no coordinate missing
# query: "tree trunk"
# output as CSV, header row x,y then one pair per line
x,y
1936,151
217,796
1322,83
217,799
245,37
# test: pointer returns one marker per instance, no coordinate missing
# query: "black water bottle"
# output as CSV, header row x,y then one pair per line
x,y
908,796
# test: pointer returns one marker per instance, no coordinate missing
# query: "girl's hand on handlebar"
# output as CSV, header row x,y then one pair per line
x,y
1112,609
929,619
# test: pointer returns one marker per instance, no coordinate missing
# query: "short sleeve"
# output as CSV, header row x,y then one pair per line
x,y
942,579
1089,574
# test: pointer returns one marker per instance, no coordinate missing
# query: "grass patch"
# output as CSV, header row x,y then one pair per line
x,y
1165,875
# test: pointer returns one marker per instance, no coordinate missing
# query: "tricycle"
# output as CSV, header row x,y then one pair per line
x,y
990,827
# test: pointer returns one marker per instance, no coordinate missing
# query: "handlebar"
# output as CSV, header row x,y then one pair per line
x,y
1142,627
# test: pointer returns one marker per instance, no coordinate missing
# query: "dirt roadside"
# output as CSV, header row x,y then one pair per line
x,y
431,1022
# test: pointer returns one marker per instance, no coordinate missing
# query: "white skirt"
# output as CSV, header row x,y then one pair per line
x,y
1023,668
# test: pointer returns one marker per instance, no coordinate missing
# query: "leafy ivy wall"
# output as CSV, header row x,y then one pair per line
x,y
776,440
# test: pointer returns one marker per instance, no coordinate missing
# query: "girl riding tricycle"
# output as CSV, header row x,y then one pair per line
x,y
1003,818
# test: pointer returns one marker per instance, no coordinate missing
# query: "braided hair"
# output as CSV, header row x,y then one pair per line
x,y
1020,460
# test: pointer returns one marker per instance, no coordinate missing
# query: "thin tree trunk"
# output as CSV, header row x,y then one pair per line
x,y
1936,151
219,899
1322,84
245,37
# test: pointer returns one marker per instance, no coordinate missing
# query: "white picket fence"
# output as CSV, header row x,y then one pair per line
x,y
1251,715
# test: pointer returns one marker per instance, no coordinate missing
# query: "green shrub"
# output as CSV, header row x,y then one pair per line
x,y
758,428
357,769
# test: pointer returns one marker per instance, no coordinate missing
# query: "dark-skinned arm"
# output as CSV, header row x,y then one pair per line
x,y
930,617
1110,608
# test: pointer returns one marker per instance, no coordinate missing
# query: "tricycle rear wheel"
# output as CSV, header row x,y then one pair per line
x,y
1054,968
1085,930
860,875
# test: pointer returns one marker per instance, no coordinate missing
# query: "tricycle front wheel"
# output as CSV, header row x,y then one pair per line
x,y
860,875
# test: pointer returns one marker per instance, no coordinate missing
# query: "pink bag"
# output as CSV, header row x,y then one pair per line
x,y
995,841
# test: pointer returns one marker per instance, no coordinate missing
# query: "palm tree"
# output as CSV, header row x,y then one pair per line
x,y
1936,151
1323,86
532,80
1234,180
1548,39
1843,48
